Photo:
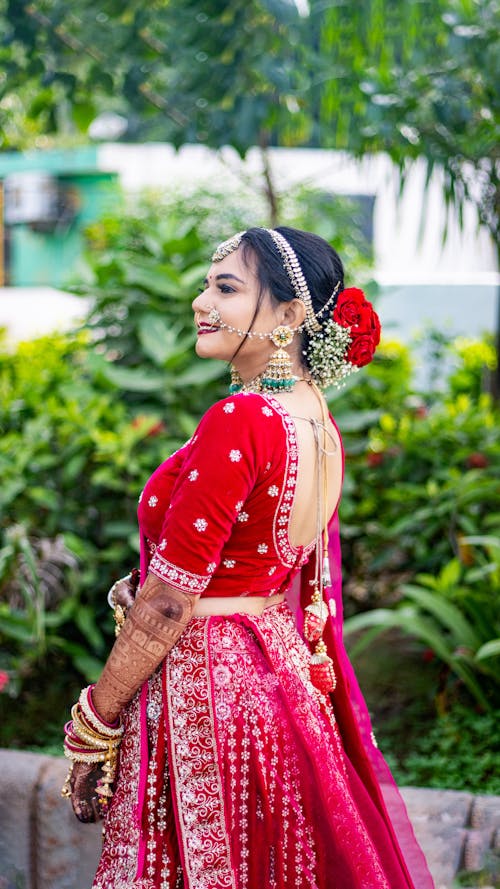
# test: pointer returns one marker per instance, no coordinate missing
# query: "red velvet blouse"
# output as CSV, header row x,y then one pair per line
x,y
216,514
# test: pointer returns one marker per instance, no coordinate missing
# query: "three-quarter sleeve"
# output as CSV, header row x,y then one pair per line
x,y
215,480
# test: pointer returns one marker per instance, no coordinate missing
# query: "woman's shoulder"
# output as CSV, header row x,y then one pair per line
x,y
247,420
243,406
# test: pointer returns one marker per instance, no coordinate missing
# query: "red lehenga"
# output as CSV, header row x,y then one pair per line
x,y
235,771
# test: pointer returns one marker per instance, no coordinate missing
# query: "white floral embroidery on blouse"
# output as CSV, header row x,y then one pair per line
x,y
273,491
153,500
211,567
267,411
162,545
200,524
193,475
229,563
272,570
239,506
243,517
262,548
235,455
229,407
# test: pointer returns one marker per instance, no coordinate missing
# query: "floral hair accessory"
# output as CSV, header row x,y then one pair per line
x,y
346,342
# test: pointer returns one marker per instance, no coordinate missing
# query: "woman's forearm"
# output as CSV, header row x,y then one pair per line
x,y
154,623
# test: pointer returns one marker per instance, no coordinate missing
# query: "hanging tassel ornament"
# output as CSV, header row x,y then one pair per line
x,y
278,376
104,788
321,669
315,616
326,577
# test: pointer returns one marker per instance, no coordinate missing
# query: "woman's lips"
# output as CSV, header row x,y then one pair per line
x,y
205,328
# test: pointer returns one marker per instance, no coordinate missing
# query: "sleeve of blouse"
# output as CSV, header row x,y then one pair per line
x,y
215,480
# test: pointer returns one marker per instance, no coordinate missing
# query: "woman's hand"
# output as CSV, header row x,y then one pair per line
x,y
124,590
83,784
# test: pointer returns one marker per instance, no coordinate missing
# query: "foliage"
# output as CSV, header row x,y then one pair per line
x,y
445,107
71,470
415,504
245,74
455,752
418,79
455,614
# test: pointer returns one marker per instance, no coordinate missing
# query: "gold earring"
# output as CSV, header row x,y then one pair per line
x,y
236,382
278,376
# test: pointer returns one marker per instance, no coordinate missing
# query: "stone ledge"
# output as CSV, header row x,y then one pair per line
x,y
43,846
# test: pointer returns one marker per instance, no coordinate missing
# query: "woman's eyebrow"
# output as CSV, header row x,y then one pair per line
x,y
225,276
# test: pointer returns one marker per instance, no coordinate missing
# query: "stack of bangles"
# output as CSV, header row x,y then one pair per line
x,y
91,740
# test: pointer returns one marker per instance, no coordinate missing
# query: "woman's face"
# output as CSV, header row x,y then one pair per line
x,y
231,287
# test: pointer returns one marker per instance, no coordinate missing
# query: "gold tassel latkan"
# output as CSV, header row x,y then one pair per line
x,y
315,618
321,669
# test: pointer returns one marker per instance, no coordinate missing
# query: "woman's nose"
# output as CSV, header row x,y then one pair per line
x,y
198,304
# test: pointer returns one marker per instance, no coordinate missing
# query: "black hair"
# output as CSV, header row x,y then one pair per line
x,y
320,264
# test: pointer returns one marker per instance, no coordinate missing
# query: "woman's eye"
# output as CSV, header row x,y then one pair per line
x,y
200,289
225,288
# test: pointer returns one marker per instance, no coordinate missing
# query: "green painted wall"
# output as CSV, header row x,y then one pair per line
x,y
51,258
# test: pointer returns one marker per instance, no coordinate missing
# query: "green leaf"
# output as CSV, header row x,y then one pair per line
x,y
450,574
489,649
201,372
354,421
85,621
44,497
158,337
20,629
89,666
448,615
134,380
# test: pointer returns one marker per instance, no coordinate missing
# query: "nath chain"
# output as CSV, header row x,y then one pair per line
x,y
214,318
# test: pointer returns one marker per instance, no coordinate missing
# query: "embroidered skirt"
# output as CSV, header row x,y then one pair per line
x,y
248,785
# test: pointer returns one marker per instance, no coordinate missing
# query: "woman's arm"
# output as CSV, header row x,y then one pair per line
x,y
154,623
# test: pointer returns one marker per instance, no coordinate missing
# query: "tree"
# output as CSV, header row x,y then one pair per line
x,y
238,73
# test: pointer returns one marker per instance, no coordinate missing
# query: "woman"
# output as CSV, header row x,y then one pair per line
x,y
246,759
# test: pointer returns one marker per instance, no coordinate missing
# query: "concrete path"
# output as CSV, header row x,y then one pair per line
x,y
43,846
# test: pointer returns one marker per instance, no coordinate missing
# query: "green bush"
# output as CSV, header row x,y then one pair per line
x,y
455,752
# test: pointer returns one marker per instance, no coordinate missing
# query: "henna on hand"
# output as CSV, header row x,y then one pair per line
x,y
124,591
83,783
157,618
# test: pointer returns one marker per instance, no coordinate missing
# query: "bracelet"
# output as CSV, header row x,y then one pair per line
x,y
108,729
90,739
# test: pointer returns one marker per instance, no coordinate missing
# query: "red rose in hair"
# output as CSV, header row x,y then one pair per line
x,y
353,310
361,350
349,309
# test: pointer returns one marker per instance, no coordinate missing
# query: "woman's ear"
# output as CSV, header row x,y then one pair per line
x,y
294,314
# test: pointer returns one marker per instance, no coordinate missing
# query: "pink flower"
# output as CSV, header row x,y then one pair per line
x,y
4,679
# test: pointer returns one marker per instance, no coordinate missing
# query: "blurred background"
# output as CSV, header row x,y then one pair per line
x,y
133,138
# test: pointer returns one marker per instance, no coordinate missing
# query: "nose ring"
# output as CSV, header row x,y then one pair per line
x,y
213,316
